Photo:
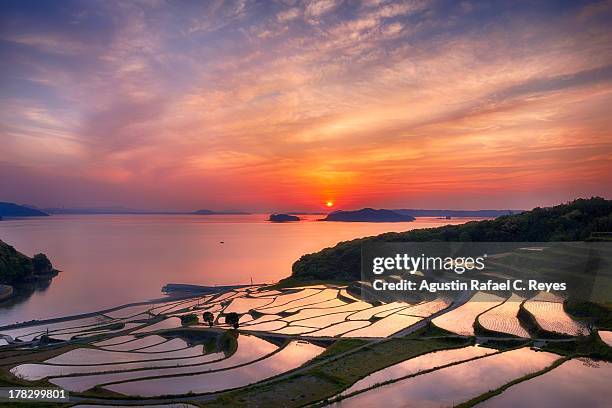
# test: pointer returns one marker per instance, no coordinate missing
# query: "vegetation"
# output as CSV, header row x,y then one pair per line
x,y
584,346
283,218
209,318
597,314
17,268
189,319
232,319
42,264
578,220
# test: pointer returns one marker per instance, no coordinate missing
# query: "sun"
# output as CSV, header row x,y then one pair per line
x,y
329,204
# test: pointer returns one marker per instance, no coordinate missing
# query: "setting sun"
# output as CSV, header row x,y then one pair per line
x,y
329,204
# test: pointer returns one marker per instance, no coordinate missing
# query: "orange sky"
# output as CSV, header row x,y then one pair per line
x,y
286,105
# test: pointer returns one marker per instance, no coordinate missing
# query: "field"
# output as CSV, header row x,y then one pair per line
x,y
305,345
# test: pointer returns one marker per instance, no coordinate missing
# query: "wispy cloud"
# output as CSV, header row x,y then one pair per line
x,y
291,103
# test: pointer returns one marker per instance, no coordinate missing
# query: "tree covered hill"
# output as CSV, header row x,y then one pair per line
x,y
17,268
15,210
578,220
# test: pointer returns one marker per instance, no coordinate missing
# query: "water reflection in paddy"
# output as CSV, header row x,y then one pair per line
x,y
250,348
132,344
36,371
244,304
385,327
30,332
89,356
114,341
416,364
575,383
371,311
303,298
290,357
606,336
455,384
169,323
340,328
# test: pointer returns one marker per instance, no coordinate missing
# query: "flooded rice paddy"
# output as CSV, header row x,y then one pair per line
x,y
145,350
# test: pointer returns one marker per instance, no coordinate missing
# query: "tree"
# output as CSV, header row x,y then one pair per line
x,y
41,264
209,318
189,319
232,319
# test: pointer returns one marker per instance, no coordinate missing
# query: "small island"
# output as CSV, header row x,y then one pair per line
x,y
283,218
368,215
19,272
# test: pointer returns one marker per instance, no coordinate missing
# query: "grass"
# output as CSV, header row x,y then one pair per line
x,y
600,314
339,347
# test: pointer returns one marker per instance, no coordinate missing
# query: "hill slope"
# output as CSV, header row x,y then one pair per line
x,y
16,268
15,210
574,221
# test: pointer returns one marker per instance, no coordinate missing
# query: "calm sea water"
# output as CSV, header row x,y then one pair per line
x,y
108,260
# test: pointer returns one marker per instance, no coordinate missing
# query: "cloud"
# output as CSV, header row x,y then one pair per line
x,y
317,8
288,15
383,103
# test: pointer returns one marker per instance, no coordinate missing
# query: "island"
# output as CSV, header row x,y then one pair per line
x,y
368,215
16,210
225,212
283,218
19,273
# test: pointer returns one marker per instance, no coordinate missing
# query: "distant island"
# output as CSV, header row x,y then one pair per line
x,y
579,220
94,211
224,212
368,215
16,210
133,211
283,218
18,270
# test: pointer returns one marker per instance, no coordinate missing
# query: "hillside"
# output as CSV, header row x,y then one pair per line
x,y
456,213
574,221
17,268
15,210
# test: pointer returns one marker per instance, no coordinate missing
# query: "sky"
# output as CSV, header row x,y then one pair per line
x,y
286,105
